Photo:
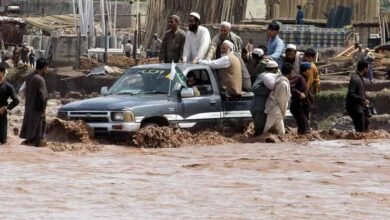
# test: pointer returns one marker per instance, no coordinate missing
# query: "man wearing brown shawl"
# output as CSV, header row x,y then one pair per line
x,y
34,122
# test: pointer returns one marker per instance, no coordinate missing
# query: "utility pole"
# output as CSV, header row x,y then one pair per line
x,y
138,25
130,3
139,29
78,48
135,45
105,40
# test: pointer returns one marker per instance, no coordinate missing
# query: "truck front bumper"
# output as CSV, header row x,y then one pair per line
x,y
101,128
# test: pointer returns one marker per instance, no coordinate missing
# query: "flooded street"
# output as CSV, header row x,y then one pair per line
x,y
320,180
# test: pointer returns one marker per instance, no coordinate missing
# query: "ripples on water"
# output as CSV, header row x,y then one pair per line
x,y
329,180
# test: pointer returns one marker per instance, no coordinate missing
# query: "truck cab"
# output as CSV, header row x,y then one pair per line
x,y
145,96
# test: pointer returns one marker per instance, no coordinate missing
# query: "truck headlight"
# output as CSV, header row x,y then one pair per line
x,y
123,116
117,116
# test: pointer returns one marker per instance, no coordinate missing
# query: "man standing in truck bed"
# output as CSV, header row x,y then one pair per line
x,y
197,40
173,42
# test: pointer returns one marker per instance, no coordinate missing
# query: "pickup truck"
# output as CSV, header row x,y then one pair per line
x,y
144,96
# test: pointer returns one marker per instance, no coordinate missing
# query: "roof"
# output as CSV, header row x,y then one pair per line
x,y
51,23
11,19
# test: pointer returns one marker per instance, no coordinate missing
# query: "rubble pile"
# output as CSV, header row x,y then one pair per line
x,y
116,64
61,131
124,62
88,63
343,63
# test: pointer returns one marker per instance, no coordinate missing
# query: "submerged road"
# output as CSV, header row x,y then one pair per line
x,y
319,180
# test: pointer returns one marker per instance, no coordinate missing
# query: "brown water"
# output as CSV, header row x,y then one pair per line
x,y
320,180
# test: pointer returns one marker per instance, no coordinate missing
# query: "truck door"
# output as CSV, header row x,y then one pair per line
x,y
203,109
236,111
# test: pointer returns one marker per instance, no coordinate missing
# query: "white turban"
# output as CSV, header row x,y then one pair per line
x,y
259,52
229,43
291,47
272,64
226,24
196,15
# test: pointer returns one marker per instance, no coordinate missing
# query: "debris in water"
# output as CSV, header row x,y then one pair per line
x,y
161,137
62,147
173,137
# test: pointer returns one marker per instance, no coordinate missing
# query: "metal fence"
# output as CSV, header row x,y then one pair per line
x,y
308,35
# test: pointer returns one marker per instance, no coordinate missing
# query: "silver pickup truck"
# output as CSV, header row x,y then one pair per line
x,y
141,98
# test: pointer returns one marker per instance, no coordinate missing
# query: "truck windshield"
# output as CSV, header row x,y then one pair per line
x,y
142,81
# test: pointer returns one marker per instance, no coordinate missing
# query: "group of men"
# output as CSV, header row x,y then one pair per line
x,y
275,77
296,82
34,123
26,55
279,76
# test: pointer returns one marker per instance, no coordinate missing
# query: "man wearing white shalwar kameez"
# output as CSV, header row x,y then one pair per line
x,y
277,102
197,40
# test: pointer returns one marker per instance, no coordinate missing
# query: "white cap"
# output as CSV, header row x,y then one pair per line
x,y
226,24
196,15
272,64
229,43
258,52
291,46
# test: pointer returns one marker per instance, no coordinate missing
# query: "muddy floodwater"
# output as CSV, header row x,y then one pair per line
x,y
318,180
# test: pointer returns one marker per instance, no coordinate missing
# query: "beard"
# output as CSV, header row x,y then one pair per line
x,y
193,28
291,61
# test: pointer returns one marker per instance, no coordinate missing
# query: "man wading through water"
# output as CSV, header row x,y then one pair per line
x,y
356,98
6,91
260,98
34,122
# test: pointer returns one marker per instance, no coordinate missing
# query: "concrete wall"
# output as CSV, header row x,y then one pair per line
x,y
63,50
364,33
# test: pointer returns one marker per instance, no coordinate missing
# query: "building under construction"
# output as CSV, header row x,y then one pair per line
x,y
328,23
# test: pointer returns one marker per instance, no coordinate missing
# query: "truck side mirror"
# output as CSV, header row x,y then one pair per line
x,y
187,92
104,90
